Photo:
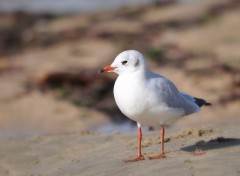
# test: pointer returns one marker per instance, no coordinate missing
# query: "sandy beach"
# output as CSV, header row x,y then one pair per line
x,y
103,154
58,117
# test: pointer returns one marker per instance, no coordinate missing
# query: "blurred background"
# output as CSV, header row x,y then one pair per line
x,y
51,51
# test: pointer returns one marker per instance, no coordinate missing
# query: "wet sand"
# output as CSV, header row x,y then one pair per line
x,y
103,154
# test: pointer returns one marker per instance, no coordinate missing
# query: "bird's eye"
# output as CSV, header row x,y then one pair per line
x,y
124,62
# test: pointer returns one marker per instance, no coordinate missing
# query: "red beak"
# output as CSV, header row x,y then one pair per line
x,y
106,69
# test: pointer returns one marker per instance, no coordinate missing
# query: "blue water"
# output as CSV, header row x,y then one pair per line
x,y
66,6
71,6
122,128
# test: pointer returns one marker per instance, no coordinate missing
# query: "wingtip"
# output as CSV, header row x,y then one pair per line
x,y
201,102
208,104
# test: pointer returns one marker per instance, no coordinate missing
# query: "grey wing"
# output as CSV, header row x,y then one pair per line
x,y
190,103
168,92
176,99
187,96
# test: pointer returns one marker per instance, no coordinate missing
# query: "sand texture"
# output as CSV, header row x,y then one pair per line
x,y
102,154
55,109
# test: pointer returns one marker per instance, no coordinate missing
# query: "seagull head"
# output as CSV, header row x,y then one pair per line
x,y
126,62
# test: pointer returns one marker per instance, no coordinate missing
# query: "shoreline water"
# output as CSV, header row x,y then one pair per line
x,y
56,6
73,6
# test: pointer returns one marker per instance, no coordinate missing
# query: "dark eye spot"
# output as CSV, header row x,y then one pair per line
x,y
124,62
136,63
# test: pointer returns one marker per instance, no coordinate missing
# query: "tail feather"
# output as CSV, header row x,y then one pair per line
x,y
201,102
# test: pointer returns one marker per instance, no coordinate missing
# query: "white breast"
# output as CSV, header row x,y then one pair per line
x,y
126,94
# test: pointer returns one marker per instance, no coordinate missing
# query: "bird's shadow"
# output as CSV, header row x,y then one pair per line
x,y
217,143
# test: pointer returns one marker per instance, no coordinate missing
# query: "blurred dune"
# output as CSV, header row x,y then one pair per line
x,y
49,63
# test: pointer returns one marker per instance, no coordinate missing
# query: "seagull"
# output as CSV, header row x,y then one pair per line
x,y
147,97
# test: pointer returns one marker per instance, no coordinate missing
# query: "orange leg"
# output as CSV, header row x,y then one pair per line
x,y
161,154
140,156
